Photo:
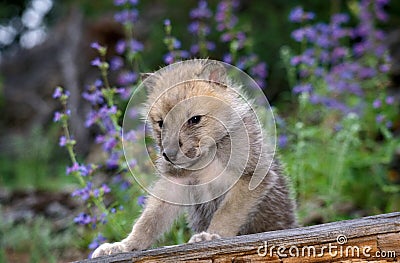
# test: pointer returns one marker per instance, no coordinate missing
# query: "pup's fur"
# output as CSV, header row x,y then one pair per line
x,y
214,139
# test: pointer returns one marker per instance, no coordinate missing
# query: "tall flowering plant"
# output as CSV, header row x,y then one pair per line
x,y
105,187
345,116
232,38
343,68
106,204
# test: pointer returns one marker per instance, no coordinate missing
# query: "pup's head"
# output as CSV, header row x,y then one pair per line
x,y
191,109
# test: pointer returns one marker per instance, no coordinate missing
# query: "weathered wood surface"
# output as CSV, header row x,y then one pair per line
x,y
376,238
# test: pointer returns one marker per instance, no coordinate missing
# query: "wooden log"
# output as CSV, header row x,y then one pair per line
x,y
374,238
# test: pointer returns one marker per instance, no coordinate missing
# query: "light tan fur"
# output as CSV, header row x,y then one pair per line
x,y
224,146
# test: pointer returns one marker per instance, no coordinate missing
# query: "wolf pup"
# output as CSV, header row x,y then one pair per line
x,y
210,146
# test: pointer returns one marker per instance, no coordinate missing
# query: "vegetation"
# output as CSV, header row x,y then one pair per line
x,y
335,116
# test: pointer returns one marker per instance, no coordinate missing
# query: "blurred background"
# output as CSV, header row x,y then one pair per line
x,y
344,163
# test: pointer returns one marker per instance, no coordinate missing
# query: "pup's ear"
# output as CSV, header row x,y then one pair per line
x,y
148,81
144,76
215,71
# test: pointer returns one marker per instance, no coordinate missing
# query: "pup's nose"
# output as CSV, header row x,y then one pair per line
x,y
170,154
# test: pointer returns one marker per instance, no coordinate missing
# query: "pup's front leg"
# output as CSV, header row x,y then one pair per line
x,y
156,218
233,212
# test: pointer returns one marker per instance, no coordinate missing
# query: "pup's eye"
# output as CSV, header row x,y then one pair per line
x,y
194,120
160,124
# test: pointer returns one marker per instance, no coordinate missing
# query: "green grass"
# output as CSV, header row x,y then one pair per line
x,y
37,239
33,161
330,169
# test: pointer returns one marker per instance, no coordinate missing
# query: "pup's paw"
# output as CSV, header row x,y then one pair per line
x,y
109,248
203,236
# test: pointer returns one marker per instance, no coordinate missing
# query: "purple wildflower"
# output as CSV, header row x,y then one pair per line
x,y
108,125
389,100
135,45
57,116
319,72
175,55
63,141
340,19
95,97
241,37
176,43
379,10
194,49
120,47
305,58
339,53
99,139
105,188
96,193
119,2
260,70
384,68
303,88
83,219
295,60
380,118
130,136
126,16
113,161
202,11
124,93
109,144
73,168
84,193
96,62
224,15
377,104
57,93
91,118
125,185
194,27
117,179
242,62
210,45
132,163
297,15
95,45
298,34
226,37
99,239
141,200
366,72
98,83
282,141
323,41
338,127
116,63
86,170
169,58
227,58
127,78
103,218
133,113
106,111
